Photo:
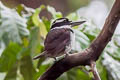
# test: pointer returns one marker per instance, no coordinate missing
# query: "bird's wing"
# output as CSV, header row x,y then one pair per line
x,y
56,40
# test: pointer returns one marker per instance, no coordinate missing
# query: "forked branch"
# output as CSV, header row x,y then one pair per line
x,y
94,71
90,54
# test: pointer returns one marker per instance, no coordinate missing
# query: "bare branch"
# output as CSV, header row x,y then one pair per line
x,y
94,70
90,54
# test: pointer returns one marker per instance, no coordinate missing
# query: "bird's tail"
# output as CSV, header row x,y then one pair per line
x,y
40,55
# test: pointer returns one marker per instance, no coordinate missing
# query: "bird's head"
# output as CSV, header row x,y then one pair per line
x,y
65,22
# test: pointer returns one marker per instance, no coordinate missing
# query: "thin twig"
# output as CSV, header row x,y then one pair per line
x,y
94,71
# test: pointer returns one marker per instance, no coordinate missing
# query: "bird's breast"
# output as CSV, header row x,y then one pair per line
x,y
72,40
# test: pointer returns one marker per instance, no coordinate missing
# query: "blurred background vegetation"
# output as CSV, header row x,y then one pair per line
x,y
25,23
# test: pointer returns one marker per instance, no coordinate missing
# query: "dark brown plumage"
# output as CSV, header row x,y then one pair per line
x,y
58,40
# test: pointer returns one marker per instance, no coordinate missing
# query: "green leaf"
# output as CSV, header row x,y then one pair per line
x,y
2,47
101,69
19,9
36,19
34,41
12,26
113,49
72,74
9,57
81,40
30,23
54,13
91,37
116,40
33,46
38,22
112,66
63,76
82,75
42,69
12,73
26,68
26,63
73,16
115,54
47,23
24,11
90,30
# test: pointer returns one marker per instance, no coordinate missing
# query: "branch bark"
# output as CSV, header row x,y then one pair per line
x,y
90,54
94,70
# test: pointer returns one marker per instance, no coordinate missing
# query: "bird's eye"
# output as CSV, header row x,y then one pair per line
x,y
66,20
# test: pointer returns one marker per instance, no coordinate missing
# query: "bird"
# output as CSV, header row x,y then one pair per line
x,y
59,39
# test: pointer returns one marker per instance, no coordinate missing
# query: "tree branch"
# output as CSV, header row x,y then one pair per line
x,y
94,70
90,54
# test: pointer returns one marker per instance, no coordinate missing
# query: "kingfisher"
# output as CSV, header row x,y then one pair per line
x,y
59,39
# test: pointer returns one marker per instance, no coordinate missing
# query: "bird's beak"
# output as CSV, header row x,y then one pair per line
x,y
76,23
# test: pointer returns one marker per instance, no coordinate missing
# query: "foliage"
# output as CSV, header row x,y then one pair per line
x,y
22,33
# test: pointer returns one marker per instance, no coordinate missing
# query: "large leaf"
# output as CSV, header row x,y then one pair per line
x,y
42,69
2,47
12,26
90,30
54,13
101,69
74,74
91,37
116,40
63,76
9,57
34,41
38,22
82,75
73,16
24,11
112,66
113,48
81,40
33,46
26,68
12,73
47,23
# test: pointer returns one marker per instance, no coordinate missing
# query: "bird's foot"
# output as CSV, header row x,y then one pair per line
x,y
55,59
67,54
